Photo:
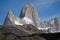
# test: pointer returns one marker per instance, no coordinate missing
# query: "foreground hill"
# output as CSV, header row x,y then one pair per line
x,y
11,32
18,30
8,36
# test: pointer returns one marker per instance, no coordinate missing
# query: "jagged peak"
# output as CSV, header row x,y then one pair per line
x,y
25,9
9,17
10,13
54,18
29,4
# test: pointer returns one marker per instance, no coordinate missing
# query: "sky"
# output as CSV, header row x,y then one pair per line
x,y
46,9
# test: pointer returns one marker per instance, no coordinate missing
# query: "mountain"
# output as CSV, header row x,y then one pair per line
x,y
12,20
20,26
29,16
45,27
30,12
28,24
54,24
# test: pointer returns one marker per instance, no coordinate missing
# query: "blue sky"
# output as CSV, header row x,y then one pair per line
x,y
45,8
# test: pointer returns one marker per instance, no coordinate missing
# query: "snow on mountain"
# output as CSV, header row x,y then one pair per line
x,y
16,21
27,20
46,29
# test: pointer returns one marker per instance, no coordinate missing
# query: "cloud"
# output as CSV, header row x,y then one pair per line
x,y
45,3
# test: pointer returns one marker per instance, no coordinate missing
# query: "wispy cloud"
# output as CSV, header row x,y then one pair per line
x,y
45,3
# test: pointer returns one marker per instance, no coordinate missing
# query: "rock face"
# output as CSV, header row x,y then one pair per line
x,y
30,12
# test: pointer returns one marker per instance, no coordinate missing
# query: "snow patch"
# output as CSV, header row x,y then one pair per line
x,y
17,23
27,20
44,28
